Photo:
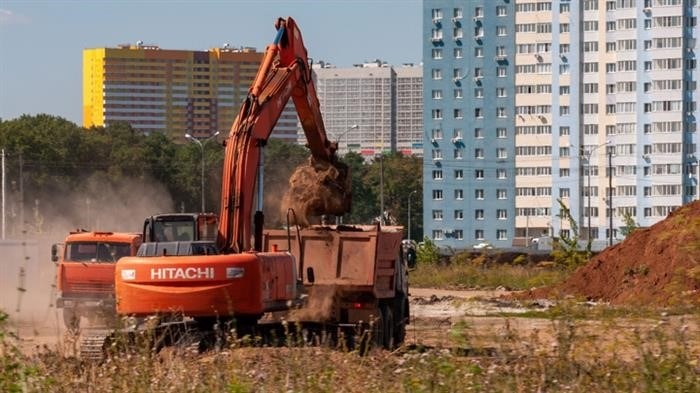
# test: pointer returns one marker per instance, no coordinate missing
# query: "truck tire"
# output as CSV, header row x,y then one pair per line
x,y
388,327
401,307
71,320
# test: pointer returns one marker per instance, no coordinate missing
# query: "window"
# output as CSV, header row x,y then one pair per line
x,y
479,154
459,214
564,90
437,114
437,215
501,10
479,174
479,214
437,94
564,172
501,72
436,133
501,234
501,173
459,174
459,194
458,234
458,93
436,73
479,92
501,112
479,193
478,113
437,174
437,53
479,51
458,154
457,113
437,195
458,53
501,153
564,130
479,234
501,194
478,133
502,214
437,234
501,132
501,31
501,92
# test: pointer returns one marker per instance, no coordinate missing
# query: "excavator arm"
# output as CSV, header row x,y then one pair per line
x,y
283,74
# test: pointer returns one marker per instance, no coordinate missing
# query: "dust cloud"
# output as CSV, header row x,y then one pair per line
x,y
319,306
27,281
317,188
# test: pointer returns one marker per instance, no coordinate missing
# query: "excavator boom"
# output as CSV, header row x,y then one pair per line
x,y
283,74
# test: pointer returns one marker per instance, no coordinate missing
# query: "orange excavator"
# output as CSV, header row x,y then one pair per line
x,y
198,288
242,281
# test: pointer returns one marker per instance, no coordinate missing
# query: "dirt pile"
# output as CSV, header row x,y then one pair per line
x,y
317,188
658,266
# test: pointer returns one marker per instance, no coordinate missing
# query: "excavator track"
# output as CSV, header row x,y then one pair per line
x,y
92,344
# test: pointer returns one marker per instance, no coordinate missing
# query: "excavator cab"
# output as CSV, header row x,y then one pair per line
x,y
175,227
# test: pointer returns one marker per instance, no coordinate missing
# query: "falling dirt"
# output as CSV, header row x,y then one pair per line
x,y
655,266
317,188
319,306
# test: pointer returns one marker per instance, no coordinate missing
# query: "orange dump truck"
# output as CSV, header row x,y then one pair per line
x,y
353,276
85,272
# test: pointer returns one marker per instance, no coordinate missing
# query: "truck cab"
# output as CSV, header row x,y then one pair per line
x,y
85,264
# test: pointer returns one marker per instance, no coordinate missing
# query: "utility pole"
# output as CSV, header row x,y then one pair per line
x,y
381,188
409,213
3,193
610,195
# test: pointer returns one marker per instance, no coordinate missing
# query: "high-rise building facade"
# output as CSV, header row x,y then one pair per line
x,y
172,91
604,112
469,140
372,107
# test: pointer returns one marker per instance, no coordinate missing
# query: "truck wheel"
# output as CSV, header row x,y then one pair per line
x,y
400,327
388,327
71,320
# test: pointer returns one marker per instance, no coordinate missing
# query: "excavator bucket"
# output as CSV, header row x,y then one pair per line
x,y
318,188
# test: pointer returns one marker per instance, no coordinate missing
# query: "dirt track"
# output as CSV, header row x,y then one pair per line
x,y
477,320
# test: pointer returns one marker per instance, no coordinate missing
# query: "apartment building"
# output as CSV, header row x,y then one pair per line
x,y
372,107
469,139
604,111
176,92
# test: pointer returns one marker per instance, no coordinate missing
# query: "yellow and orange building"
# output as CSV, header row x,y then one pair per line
x,y
171,91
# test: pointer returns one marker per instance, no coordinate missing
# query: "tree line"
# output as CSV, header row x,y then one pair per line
x,y
111,177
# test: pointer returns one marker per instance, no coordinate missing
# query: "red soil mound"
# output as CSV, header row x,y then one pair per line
x,y
658,266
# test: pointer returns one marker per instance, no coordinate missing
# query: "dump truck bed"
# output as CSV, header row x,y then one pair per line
x,y
354,258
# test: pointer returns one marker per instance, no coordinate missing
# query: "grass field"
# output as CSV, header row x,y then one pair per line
x,y
578,348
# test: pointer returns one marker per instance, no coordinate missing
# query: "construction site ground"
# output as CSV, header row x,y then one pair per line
x,y
472,323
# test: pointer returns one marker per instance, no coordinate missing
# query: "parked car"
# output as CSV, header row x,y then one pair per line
x,y
483,246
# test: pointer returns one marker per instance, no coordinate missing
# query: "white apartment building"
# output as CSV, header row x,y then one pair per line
x,y
372,107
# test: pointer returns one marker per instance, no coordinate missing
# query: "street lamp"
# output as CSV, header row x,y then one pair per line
x,y
588,188
345,133
409,213
201,147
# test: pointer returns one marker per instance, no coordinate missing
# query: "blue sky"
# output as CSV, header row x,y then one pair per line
x,y
41,42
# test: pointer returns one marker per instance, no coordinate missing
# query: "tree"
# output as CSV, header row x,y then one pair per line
x,y
566,251
630,224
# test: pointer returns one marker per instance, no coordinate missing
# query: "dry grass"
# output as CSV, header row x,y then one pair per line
x,y
662,358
